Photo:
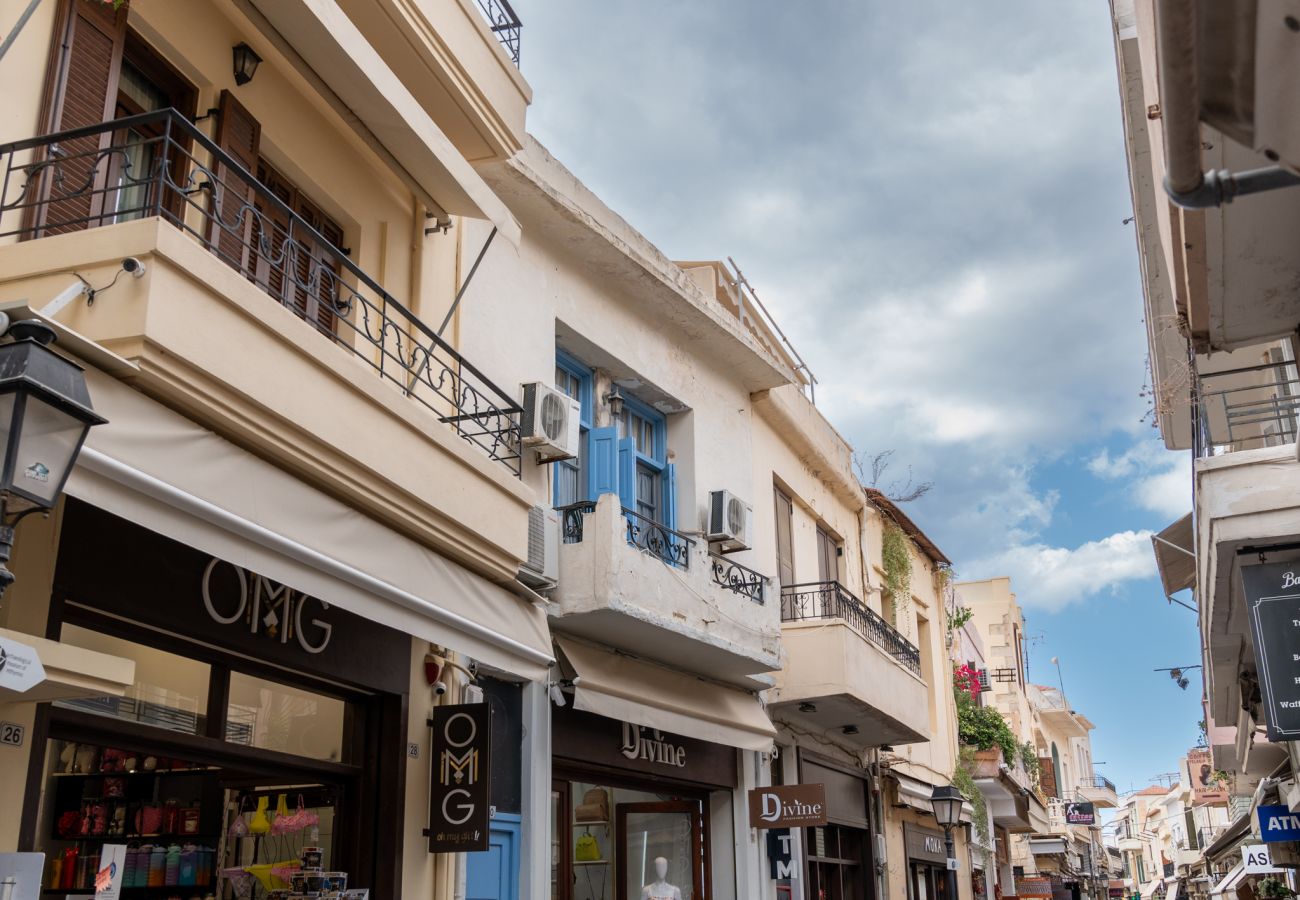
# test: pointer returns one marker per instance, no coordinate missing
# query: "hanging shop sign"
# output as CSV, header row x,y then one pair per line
x,y
1034,888
788,806
1207,789
1277,823
1080,814
186,592
461,762
20,666
780,855
1273,609
1256,859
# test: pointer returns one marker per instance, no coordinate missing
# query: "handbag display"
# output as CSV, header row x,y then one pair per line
x,y
585,848
593,808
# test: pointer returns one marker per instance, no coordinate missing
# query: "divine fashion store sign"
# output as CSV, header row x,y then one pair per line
x,y
459,811
787,806
1273,609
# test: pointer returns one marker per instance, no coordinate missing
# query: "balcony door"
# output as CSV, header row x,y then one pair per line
x,y
784,537
828,556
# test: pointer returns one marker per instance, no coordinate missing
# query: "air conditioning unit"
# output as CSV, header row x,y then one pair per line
x,y
542,570
550,424
730,521
984,682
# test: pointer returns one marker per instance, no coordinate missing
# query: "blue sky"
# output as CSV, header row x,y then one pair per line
x,y
930,197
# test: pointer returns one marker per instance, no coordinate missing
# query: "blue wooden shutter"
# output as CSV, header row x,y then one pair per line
x,y
670,496
627,473
602,466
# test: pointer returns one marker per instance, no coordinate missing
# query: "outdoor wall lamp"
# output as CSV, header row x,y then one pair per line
x,y
45,414
615,401
946,801
246,62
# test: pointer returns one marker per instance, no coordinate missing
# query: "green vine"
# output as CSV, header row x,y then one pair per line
x,y
960,616
896,553
964,781
1029,760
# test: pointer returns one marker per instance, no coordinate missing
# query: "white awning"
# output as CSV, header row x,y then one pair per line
x,y
1175,549
1171,889
1149,889
621,687
1230,881
1046,846
916,793
331,50
168,474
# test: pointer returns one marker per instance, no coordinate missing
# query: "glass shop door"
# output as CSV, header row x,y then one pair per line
x,y
662,851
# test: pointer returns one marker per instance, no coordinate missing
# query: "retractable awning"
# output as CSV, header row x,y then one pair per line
x,y
327,48
916,793
1175,550
1171,889
622,687
1046,846
164,472
1150,888
1229,882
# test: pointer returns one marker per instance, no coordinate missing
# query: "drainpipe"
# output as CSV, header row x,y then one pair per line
x,y
1180,109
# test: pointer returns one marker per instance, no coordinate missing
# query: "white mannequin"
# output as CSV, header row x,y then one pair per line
x,y
661,889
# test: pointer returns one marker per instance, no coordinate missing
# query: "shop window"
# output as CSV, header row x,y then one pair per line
x,y
836,858
170,691
274,716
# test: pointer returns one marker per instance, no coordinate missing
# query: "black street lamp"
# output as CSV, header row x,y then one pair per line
x,y
947,802
45,414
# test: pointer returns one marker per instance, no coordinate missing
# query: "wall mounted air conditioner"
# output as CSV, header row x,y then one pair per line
x,y
984,682
550,425
542,570
730,520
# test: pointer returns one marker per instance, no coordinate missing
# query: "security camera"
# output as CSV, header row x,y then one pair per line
x,y
440,687
133,267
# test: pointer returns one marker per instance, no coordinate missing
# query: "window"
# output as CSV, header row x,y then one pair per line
x,y
784,537
828,556
570,476
644,428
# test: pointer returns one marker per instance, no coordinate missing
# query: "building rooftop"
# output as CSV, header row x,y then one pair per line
x,y
890,509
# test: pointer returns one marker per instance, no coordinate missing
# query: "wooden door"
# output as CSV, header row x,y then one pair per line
x,y
828,556
784,537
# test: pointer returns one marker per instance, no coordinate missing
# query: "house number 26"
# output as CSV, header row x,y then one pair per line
x,y
12,734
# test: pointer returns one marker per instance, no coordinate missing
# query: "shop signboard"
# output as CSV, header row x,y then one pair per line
x,y
1034,888
1207,789
1080,814
780,855
787,806
20,666
461,763
1277,823
1273,609
924,844
1256,859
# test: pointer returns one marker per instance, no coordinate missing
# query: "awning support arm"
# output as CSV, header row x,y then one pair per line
x,y
468,278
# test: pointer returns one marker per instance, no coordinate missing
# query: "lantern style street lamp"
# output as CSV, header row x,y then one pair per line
x,y
45,414
246,63
946,801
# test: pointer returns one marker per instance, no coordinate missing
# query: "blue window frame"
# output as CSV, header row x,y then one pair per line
x,y
570,479
642,431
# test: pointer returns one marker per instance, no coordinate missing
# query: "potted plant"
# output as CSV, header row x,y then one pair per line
x,y
1273,887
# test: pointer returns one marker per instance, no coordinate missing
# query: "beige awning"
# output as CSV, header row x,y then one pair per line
x,y
1175,549
622,687
327,48
168,474
1230,881
916,793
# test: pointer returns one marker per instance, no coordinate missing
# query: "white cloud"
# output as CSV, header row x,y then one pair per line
x,y
1052,578
1160,480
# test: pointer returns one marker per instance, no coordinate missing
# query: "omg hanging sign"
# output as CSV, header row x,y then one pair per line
x,y
461,768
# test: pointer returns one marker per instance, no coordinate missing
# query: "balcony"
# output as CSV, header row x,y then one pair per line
x,y
848,670
259,326
1007,790
1246,408
505,24
1100,791
637,585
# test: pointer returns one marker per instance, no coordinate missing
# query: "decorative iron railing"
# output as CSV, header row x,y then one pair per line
x,y
830,600
572,518
672,547
737,578
1099,782
1240,409
160,165
505,25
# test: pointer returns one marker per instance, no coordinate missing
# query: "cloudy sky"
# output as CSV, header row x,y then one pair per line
x,y
929,196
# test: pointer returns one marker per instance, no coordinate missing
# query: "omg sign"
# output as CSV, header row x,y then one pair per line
x,y
461,767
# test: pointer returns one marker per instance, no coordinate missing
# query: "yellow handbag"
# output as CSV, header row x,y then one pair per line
x,y
585,848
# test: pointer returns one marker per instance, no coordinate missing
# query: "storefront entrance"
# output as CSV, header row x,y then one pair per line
x,y
927,863
263,727
839,853
632,810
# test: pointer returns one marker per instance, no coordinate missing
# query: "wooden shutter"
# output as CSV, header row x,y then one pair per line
x,y
602,465
1047,776
80,90
627,473
784,538
231,230
828,558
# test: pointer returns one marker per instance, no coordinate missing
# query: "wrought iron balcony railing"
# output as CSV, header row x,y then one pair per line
x,y
672,547
505,25
1099,782
159,165
572,518
738,579
1241,409
830,600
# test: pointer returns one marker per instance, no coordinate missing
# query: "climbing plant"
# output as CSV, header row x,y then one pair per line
x,y
1029,759
981,727
897,559
964,781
